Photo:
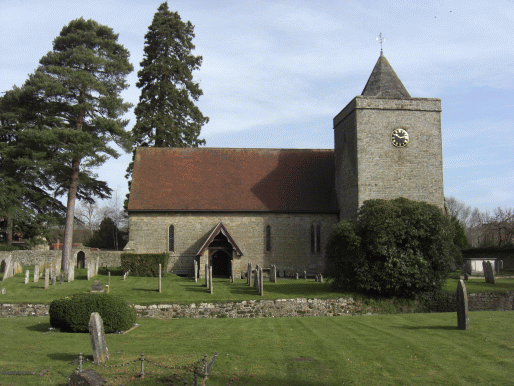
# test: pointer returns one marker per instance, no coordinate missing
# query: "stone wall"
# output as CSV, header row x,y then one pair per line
x,y
266,308
33,257
290,237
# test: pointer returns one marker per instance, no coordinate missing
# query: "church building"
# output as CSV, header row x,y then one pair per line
x,y
278,206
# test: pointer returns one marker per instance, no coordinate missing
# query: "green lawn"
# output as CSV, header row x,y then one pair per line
x,y
175,289
402,349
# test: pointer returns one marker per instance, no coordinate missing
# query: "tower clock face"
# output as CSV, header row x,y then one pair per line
x,y
400,137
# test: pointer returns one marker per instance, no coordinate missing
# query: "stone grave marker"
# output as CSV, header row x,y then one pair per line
x,y
256,277
97,336
297,276
207,276
305,275
160,282
232,271
321,278
47,277
462,306
86,378
61,278
261,282
36,273
27,276
488,272
8,269
210,279
249,275
17,267
195,269
71,273
3,291
97,287
54,279
108,277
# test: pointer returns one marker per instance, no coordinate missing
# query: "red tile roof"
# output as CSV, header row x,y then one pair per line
x,y
223,179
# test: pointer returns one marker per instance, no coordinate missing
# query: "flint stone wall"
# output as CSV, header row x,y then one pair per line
x,y
265,308
33,257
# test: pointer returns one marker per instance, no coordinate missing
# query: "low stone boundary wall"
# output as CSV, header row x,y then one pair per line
x,y
265,308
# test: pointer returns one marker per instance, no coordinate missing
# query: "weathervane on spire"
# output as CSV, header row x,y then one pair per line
x,y
381,39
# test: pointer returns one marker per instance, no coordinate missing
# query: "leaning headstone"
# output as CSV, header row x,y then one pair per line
x,y
488,272
210,279
160,282
36,273
195,269
47,277
462,306
97,336
8,269
27,275
86,378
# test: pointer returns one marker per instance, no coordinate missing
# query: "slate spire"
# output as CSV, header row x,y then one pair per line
x,y
384,83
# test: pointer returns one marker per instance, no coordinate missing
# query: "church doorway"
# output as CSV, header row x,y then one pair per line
x,y
220,260
81,259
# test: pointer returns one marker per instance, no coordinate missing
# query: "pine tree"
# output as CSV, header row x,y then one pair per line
x,y
166,115
76,92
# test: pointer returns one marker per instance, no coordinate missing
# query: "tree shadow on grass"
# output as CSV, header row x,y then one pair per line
x,y
40,327
426,327
67,357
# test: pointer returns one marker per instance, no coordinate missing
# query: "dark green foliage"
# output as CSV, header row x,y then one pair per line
x,y
460,238
108,236
394,248
438,301
144,264
71,314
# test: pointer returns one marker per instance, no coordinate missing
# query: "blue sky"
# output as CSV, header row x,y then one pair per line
x,y
275,73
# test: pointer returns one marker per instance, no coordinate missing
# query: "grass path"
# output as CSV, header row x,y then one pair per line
x,y
401,349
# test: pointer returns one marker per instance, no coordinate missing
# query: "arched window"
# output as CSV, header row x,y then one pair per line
x,y
171,238
268,238
315,238
318,238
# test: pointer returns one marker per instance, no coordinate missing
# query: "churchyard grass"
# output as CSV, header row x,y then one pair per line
x,y
175,289
401,349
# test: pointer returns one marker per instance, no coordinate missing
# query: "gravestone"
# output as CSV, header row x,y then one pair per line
x,y
261,282
207,276
232,271
297,276
88,272
109,278
97,336
305,275
47,277
9,268
195,269
210,280
488,272
86,378
462,306
321,278
53,280
97,287
160,282
256,278
71,273
61,278
3,291
249,276
27,275
36,273
17,267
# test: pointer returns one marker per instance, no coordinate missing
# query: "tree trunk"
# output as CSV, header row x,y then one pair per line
x,y
70,217
8,229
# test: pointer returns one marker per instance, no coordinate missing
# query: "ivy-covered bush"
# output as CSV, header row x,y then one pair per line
x,y
144,264
72,313
393,248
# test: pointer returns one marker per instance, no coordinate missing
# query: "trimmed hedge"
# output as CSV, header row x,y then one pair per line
x,y
72,313
144,264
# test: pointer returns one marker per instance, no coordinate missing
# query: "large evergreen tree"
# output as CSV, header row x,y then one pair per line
x,y
76,92
166,115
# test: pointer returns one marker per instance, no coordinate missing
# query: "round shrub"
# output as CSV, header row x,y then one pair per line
x,y
394,248
72,313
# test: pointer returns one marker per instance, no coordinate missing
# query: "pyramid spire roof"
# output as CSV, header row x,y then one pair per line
x,y
384,83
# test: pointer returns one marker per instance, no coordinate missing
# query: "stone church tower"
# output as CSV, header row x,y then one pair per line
x,y
388,145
